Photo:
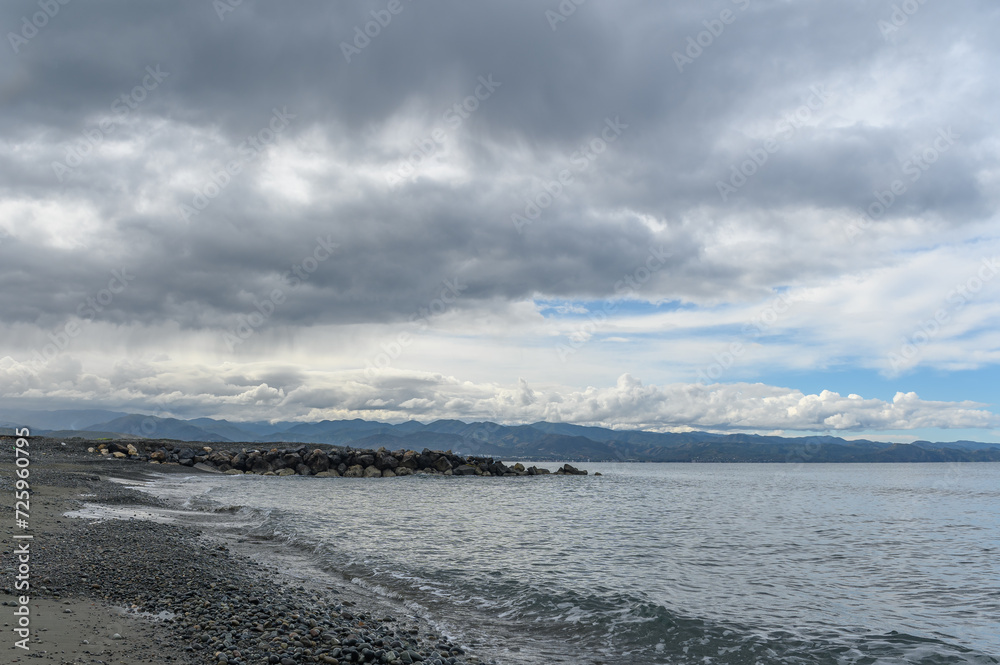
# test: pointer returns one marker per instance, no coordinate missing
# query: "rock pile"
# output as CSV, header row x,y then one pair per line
x,y
332,462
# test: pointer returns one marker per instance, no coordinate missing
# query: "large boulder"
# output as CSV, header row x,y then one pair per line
x,y
354,471
385,460
498,469
239,462
116,447
219,458
318,461
442,464
371,472
465,470
572,470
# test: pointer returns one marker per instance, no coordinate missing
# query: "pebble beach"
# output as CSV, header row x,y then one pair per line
x,y
139,590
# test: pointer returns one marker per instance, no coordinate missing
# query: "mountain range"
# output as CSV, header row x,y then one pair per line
x,y
540,441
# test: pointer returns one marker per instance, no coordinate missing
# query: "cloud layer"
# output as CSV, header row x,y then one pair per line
x,y
499,193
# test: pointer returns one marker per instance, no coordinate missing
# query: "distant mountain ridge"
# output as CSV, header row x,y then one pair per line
x,y
542,440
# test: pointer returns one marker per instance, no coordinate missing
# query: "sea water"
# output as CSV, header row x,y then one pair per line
x,y
658,563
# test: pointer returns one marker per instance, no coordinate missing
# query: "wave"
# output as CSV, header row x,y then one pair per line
x,y
495,609
614,627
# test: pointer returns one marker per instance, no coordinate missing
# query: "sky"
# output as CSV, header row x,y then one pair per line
x,y
739,215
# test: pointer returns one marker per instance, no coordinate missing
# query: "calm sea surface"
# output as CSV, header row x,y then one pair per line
x,y
662,563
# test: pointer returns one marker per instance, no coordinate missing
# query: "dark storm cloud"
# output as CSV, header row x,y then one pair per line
x,y
558,90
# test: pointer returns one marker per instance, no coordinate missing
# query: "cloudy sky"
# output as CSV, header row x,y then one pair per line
x,y
749,215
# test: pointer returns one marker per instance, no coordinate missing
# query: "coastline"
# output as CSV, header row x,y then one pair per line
x,y
218,601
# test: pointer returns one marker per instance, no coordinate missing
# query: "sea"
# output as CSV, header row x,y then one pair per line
x,y
652,563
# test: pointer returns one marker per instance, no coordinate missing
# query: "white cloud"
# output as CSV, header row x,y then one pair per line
x,y
184,390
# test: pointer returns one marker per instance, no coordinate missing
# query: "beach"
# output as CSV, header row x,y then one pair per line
x,y
139,590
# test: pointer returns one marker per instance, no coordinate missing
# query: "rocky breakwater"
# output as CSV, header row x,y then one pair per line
x,y
329,462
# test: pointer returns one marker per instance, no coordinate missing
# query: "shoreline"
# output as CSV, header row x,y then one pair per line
x,y
229,603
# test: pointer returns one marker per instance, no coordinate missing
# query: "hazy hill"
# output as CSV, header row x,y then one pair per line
x,y
546,441
166,428
56,420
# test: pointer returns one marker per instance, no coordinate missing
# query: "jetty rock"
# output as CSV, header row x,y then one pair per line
x,y
325,461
